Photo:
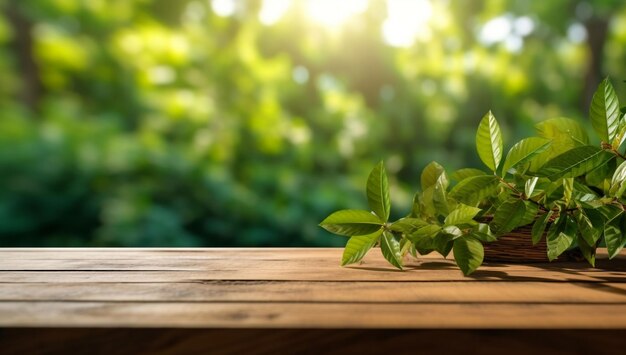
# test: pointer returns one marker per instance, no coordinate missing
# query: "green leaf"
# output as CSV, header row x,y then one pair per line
x,y
575,162
588,251
465,173
468,254
416,207
428,231
508,216
453,231
424,246
523,151
613,237
352,222
489,141
564,133
530,213
529,186
590,225
472,190
560,236
540,226
430,174
620,136
440,195
604,111
390,248
378,192
483,233
599,176
618,182
568,189
358,246
443,243
461,215
408,225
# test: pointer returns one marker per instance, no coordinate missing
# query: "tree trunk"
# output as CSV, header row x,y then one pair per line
x,y
22,46
597,29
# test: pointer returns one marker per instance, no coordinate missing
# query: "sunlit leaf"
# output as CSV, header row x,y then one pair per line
x,y
564,133
430,174
523,151
618,181
440,195
465,173
468,254
408,225
575,162
453,231
489,141
529,186
427,231
358,246
352,222
604,111
483,233
472,190
390,248
378,192
462,214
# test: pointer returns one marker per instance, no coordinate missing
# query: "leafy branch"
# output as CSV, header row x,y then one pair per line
x,y
572,195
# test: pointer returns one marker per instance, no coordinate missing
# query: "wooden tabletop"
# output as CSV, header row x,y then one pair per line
x,y
275,301
299,288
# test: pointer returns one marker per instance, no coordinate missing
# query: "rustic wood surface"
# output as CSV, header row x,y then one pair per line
x,y
291,288
278,291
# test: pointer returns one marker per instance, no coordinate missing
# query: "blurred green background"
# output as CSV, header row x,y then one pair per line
x,y
244,123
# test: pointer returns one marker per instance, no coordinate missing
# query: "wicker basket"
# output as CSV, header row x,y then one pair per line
x,y
517,247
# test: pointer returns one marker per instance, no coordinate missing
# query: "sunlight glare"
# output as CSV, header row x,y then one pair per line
x,y
333,13
273,10
406,20
223,8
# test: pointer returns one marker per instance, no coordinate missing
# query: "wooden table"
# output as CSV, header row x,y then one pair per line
x,y
267,300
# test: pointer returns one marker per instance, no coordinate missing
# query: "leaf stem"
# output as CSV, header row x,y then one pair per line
x,y
616,152
511,187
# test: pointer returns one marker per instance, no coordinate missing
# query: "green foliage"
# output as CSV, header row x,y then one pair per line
x,y
489,142
168,123
604,112
352,222
468,253
523,151
555,199
358,246
378,192
575,162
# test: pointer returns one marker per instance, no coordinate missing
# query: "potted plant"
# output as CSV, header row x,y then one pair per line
x,y
554,190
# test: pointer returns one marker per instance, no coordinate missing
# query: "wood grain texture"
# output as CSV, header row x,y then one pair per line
x,y
299,288
327,292
312,315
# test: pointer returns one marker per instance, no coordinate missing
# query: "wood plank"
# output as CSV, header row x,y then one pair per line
x,y
311,315
439,271
195,253
70,265
329,292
